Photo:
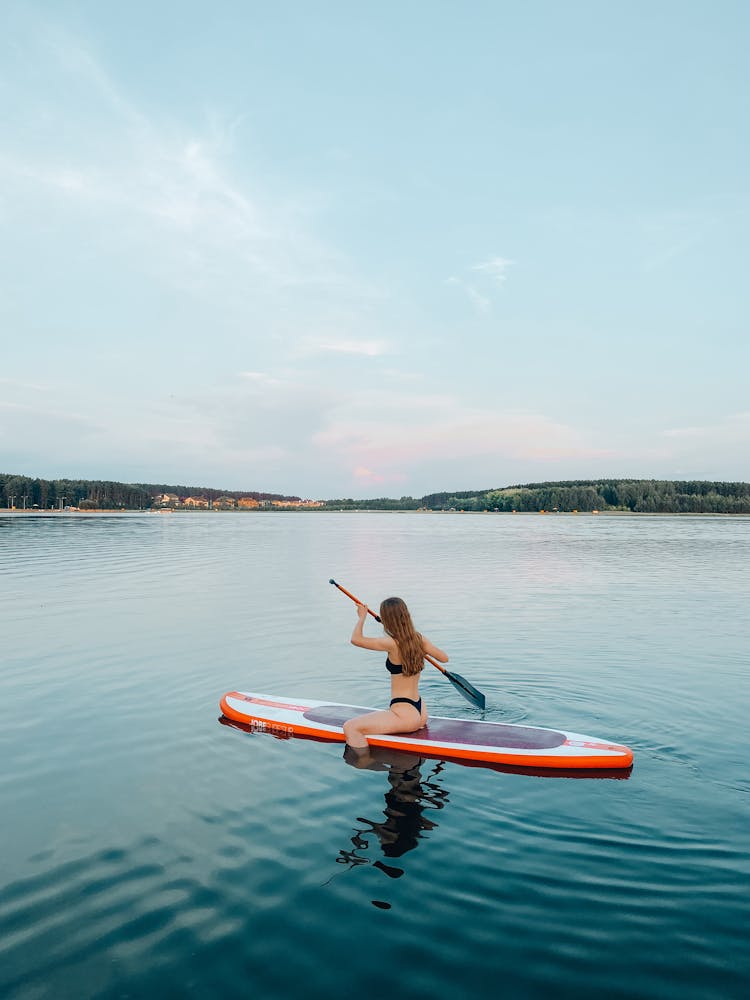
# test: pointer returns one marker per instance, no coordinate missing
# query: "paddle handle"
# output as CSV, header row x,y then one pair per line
x,y
378,619
355,599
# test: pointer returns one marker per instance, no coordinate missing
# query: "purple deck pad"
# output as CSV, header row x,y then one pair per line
x,y
441,731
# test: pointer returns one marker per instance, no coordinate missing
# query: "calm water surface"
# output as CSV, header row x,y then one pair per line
x,y
151,851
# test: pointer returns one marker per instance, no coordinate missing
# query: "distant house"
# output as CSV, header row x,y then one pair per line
x,y
297,503
247,502
195,502
167,500
225,503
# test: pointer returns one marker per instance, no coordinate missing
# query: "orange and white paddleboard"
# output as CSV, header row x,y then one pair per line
x,y
466,740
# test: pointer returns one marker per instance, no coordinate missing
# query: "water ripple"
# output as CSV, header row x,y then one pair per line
x,y
151,851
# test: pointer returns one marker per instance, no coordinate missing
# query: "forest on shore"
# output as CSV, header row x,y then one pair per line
x,y
44,494
639,496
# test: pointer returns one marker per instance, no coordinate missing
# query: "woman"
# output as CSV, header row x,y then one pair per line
x,y
405,649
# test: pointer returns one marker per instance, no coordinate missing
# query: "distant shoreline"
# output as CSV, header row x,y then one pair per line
x,y
585,496
73,512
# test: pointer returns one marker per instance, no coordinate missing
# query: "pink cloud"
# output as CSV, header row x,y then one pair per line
x,y
361,472
365,475
404,439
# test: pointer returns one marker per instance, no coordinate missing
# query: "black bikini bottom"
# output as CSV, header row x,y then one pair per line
x,y
408,701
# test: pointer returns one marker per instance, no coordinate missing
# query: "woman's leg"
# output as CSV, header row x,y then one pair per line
x,y
400,719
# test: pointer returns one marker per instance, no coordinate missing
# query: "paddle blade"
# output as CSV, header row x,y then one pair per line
x,y
467,690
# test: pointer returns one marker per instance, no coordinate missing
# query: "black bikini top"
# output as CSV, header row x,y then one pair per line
x,y
393,668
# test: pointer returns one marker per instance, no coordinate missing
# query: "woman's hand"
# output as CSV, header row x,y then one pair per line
x,y
384,643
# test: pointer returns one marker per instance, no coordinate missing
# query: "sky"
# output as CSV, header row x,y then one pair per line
x,y
359,250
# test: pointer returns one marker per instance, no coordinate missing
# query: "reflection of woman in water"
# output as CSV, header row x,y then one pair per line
x,y
407,801
405,649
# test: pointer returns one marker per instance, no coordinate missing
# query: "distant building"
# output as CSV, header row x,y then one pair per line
x,y
225,503
247,502
195,502
167,500
298,503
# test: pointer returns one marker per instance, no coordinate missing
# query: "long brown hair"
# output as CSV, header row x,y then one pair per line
x,y
397,622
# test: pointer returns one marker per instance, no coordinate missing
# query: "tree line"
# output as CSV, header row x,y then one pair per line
x,y
642,496
24,491
379,503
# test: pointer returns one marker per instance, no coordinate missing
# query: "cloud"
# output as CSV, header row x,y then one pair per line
x,y
711,451
436,431
495,269
480,302
668,236
307,432
686,432
730,431
261,378
34,438
398,375
492,273
367,475
19,385
167,194
295,433
367,348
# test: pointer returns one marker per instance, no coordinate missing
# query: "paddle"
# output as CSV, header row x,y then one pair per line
x,y
460,683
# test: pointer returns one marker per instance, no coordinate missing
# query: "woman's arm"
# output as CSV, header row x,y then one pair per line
x,y
434,651
384,643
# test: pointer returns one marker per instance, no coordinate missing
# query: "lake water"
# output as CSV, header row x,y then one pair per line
x,y
148,850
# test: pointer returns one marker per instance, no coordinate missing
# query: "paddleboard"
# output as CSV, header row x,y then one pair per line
x,y
466,740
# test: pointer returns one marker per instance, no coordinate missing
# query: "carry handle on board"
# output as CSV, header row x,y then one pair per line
x,y
467,690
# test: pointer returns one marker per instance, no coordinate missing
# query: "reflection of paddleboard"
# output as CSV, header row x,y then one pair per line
x,y
458,739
